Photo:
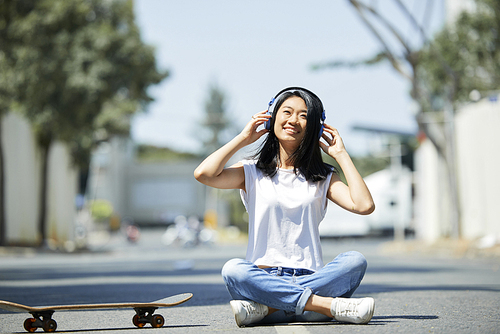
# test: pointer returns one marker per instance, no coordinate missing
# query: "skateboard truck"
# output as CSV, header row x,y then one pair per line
x,y
145,316
42,319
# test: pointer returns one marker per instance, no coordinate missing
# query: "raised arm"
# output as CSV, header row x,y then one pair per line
x,y
212,170
354,196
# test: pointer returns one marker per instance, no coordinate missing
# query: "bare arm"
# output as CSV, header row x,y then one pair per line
x,y
212,170
354,196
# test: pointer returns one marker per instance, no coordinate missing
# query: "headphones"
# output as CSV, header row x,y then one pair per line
x,y
271,105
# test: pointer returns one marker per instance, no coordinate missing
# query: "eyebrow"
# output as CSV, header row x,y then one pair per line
x,y
289,107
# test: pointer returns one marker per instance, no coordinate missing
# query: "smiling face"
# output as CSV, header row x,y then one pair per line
x,y
291,121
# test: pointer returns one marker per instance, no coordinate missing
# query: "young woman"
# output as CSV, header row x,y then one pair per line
x,y
285,189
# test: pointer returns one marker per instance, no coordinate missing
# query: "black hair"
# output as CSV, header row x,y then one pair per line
x,y
307,158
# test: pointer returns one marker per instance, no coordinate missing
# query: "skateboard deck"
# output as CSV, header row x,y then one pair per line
x,y
42,316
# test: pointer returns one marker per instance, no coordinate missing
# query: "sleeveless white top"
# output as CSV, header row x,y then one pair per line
x,y
284,215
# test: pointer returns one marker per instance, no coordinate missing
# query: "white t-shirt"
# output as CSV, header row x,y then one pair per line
x,y
284,215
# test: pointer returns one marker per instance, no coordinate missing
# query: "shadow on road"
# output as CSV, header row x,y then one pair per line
x,y
124,329
408,317
376,321
379,288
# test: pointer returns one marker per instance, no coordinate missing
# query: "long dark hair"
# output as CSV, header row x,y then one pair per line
x,y
307,158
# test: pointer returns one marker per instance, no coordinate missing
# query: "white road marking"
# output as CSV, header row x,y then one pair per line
x,y
102,280
291,329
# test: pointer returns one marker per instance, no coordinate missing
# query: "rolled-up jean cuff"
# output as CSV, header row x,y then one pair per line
x,y
303,301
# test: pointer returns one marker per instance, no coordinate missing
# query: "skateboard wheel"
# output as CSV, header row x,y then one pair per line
x,y
49,325
28,325
136,321
158,321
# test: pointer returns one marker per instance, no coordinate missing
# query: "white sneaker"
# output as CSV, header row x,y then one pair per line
x,y
353,310
248,312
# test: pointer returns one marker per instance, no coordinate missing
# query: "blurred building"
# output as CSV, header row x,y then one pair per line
x,y
391,189
143,193
22,175
421,200
477,159
156,193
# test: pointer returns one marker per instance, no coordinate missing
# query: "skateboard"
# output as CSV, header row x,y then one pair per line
x,y
144,312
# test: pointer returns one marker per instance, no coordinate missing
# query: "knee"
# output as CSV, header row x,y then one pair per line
x,y
355,261
232,270
358,261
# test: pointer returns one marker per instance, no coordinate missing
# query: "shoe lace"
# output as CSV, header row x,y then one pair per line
x,y
253,310
349,309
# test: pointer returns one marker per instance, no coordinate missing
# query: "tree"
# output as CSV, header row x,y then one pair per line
x,y
216,121
6,91
442,72
4,108
471,47
81,69
217,127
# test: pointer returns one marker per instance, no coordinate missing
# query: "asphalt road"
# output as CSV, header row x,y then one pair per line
x,y
413,294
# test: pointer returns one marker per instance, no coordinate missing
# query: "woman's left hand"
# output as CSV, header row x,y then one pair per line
x,y
334,144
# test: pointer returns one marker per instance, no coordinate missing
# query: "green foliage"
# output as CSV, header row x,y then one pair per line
x,y
370,164
5,76
101,209
471,48
365,165
238,212
79,65
464,56
150,153
216,121
77,69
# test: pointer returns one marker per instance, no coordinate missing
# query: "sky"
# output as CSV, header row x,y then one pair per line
x,y
252,49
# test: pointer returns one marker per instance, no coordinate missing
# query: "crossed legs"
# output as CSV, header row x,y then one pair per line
x,y
295,295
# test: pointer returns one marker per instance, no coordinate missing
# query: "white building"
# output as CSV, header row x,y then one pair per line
x,y
22,174
477,160
145,193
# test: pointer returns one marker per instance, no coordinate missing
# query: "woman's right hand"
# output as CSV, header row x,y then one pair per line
x,y
250,134
212,170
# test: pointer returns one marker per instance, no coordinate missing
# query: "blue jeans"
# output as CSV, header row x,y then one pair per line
x,y
289,289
